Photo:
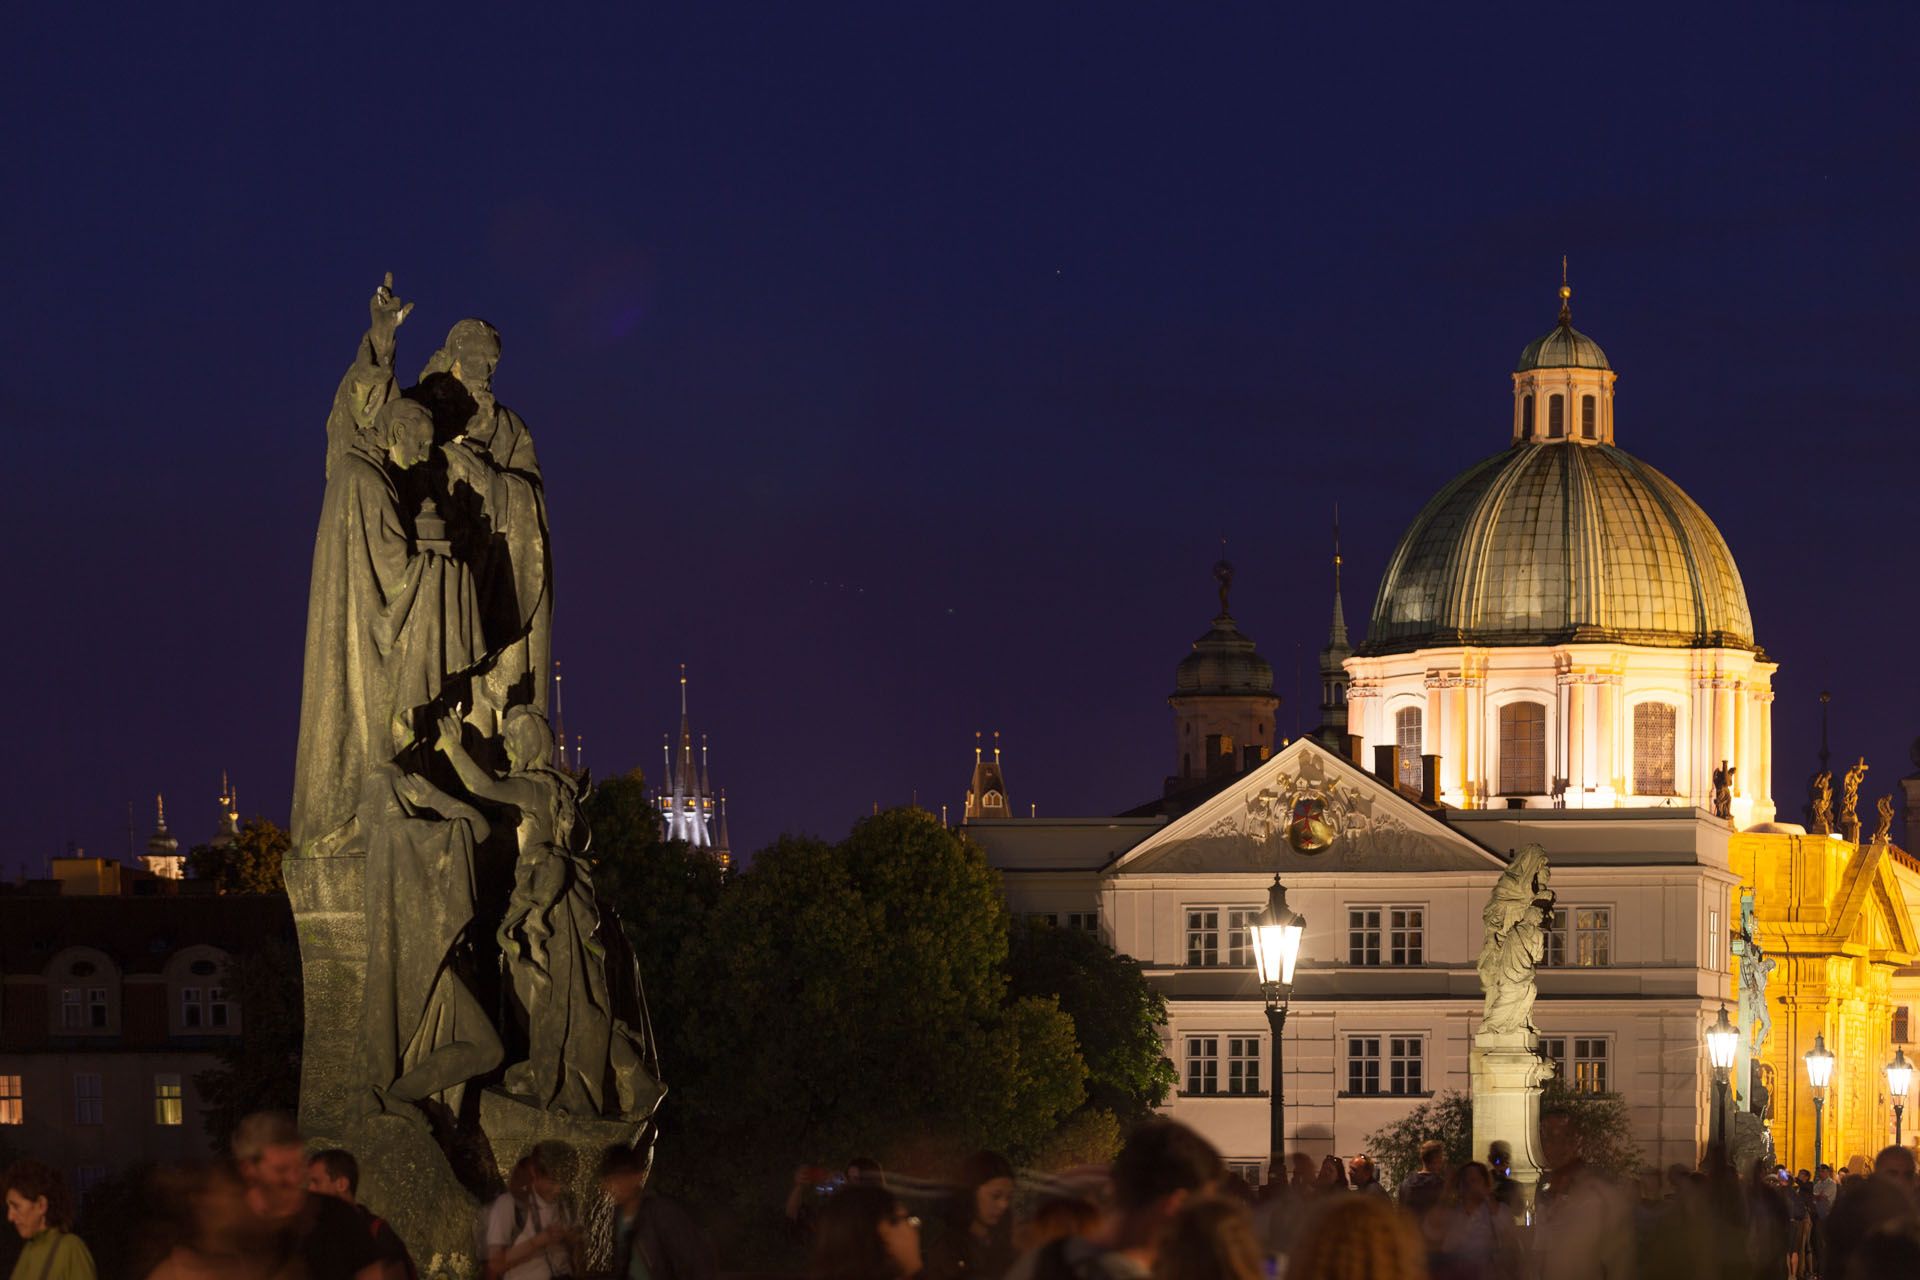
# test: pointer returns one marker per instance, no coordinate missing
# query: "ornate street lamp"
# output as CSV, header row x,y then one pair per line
x,y
1819,1071
1899,1077
1723,1043
1276,946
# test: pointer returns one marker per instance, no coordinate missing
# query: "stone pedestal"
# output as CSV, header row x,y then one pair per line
x,y
1507,1073
571,1147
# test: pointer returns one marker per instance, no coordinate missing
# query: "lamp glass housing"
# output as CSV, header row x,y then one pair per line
x,y
1276,938
1819,1063
1899,1076
1723,1042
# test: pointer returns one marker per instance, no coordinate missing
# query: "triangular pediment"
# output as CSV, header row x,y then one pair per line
x,y
1244,827
1874,915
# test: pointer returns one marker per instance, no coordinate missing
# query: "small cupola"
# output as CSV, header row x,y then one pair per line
x,y
1563,385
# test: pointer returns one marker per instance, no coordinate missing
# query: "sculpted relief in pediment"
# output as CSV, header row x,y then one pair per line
x,y
1307,817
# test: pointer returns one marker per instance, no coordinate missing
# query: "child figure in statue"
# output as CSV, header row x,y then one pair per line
x,y
581,1058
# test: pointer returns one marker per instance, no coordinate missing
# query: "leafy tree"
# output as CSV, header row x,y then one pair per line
x,y
258,1070
1117,1014
1604,1126
1600,1120
249,864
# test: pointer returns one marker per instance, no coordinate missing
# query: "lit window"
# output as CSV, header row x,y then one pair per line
x,y
1406,1061
1589,1065
1363,935
1900,1024
1653,740
1240,935
13,1101
1203,1064
1363,1064
1581,937
88,1107
1556,416
1714,954
1203,936
1406,735
1523,747
168,1104
1587,415
1243,1064
73,1009
1406,935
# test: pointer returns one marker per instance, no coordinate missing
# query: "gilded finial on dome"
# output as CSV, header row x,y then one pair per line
x,y
1566,293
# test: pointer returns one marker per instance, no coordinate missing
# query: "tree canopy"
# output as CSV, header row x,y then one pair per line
x,y
1600,1121
250,863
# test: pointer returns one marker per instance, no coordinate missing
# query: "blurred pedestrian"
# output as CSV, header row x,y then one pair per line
x,y
1478,1238
1767,1222
1058,1217
1358,1237
40,1209
530,1234
1333,1175
1879,1201
863,1232
975,1234
653,1238
1365,1177
336,1173
1423,1188
320,1233
1210,1238
1583,1226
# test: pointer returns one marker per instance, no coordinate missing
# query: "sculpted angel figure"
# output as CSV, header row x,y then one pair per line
x,y
1823,804
1884,832
1850,793
1516,919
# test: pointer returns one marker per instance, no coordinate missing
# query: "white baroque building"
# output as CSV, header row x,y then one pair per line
x,y
1560,653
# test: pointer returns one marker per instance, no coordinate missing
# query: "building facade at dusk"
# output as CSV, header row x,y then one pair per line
x,y
1560,653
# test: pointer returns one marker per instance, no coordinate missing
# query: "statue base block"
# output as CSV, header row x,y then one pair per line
x,y
571,1147
1507,1073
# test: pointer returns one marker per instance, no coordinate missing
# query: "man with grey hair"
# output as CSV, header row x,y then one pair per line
x,y
320,1231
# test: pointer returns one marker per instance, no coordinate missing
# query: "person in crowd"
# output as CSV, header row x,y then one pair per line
x,y
1303,1172
1507,1193
1583,1226
1358,1238
1162,1165
1333,1176
863,1232
1820,1199
319,1233
975,1236
1891,1251
1477,1236
530,1236
1210,1238
1058,1217
812,1183
653,1237
1876,1202
40,1209
1423,1189
1767,1222
1365,1177
1799,1224
336,1173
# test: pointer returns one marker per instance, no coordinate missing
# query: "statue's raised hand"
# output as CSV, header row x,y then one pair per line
x,y
449,732
387,311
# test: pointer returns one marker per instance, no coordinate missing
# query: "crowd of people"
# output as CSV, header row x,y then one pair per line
x,y
1165,1209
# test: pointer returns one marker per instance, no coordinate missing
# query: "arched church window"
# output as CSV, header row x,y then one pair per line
x,y
992,800
1526,416
1653,738
1406,735
1523,747
1587,417
1556,416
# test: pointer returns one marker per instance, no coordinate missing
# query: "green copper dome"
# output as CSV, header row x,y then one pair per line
x,y
1556,542
1563,347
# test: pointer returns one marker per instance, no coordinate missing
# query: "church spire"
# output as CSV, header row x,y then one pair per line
x,y
1337,636
1332,731
162,857
688,805
229,812
1566,296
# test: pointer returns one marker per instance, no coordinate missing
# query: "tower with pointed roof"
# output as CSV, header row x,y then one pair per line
x,y
1332,730
687,805
229,828
1223,702
987,791
163,857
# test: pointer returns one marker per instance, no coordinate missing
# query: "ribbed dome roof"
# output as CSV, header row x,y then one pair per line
x,y
1562,347
1546,543
1223,662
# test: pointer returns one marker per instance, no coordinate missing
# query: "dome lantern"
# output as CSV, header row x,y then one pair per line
x,y
1563,385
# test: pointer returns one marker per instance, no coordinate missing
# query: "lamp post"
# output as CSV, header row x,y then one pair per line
x,y
1899,1077
1723,1042
1819,1071
1276,946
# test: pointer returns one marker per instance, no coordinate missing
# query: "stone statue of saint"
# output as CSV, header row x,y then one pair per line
x,y
1756,967
1723,790
388,621
1883,834
582,1057
1516,919
1850,796
1822,803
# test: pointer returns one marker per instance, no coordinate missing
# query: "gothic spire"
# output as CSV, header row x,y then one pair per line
x,y
1337,636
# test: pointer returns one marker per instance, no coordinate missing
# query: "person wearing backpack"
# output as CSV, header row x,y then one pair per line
x,y
41,1211
530,1236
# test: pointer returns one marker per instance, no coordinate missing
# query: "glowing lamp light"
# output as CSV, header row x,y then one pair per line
x,y
1899,1075
1723,1041
1276,939
1819,1063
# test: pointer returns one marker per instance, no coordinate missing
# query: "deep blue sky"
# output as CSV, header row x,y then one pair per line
x,y
900,367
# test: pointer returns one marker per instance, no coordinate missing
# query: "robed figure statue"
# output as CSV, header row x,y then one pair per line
x,y
1517,918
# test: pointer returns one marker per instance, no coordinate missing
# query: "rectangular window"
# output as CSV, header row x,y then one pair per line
x,y
1653,755
192,1011
1243,1064
1363,1064
1900,1025
1523,748
97,1008
1589,1064
1556,417
1715,954
73,1009
1406,935
13,1101
1203,1064
1406,1060
1084,921
217,1008
1203,936
1554,1050
1240,935
1593,937
1248,1169
1588,415
168,1104
1406,736
1363,935
1557,938
88,1107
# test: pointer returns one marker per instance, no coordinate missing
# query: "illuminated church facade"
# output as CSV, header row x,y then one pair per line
x,y
1560,653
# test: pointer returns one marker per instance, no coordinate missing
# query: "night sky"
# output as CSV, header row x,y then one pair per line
x,y
900,368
